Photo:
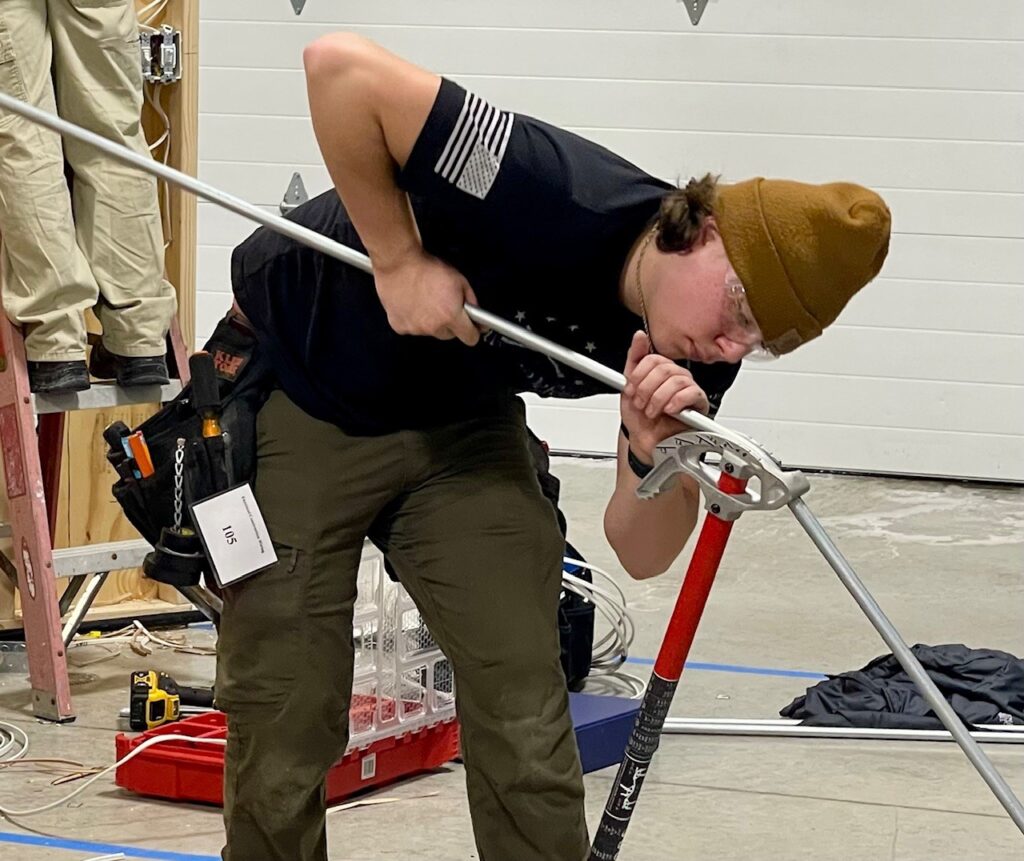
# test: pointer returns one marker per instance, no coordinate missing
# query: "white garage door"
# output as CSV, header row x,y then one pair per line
x,y
922,100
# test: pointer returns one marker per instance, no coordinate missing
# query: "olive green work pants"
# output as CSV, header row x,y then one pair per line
x,y
459,512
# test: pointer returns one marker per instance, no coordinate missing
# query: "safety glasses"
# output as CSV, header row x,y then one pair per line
x,y
744,320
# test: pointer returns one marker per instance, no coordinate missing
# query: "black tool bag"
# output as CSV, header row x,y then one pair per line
x,y
576,627
244,382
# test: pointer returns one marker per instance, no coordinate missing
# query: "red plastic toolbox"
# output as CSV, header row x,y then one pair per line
x,y
185,771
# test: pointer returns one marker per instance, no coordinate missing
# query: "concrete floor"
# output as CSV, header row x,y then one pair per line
x,y
945,561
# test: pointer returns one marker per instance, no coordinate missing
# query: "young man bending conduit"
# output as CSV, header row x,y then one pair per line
x,y
397,419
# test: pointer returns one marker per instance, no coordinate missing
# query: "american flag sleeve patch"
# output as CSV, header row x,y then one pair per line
x,y
472,156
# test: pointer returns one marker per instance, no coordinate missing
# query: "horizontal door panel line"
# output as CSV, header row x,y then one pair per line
x,y
925,330
733,419
673,131
901,428
756,134
703,33
751,368
812,85
725,82
880,188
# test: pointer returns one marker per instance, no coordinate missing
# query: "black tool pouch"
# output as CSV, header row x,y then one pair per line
x,y
174,437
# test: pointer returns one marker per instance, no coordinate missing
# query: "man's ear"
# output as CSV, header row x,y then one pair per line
x,y
708,232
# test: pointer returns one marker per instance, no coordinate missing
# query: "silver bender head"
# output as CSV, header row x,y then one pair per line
x,y
769,486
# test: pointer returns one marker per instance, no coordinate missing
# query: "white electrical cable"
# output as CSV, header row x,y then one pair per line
x,y
158,739
153,97
12,738
623,623
150,12
117,856
611,650
619,639
146,16
139,637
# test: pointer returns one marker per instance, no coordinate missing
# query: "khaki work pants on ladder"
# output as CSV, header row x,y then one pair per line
x,y
102,246
460,514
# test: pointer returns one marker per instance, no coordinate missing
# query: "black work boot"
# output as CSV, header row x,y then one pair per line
x,y
58,377
128,370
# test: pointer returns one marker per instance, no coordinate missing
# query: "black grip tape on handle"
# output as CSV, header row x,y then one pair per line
x,y
205,390
643,743
113,433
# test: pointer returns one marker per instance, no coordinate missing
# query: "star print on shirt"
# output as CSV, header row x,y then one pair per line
x,y
539,373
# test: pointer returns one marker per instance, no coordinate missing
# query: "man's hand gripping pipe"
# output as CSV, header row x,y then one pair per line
x,y
741,459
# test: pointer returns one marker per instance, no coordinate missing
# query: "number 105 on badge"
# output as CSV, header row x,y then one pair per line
x,y
234,534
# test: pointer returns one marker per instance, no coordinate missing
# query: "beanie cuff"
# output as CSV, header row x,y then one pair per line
x,y
784,322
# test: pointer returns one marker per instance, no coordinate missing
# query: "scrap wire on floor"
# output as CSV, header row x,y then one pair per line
x,y
14,755
139,639
8,813
610,652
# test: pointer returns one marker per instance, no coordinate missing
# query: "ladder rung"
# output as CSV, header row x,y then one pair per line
x,y
91,558
104,395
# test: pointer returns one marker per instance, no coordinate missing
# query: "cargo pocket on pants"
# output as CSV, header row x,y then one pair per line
x,y
11,81
261,645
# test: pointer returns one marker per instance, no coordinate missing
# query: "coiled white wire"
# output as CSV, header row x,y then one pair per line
x,y
612,648
13,743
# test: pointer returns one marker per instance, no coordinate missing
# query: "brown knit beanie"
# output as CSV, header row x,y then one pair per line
x,y
801,251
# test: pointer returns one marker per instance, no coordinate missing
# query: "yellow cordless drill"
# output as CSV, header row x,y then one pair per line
x,y
157,699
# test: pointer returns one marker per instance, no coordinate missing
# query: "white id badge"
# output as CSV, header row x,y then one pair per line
x,y
234,534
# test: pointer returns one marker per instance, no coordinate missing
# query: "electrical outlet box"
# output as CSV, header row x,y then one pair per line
x,y
161,55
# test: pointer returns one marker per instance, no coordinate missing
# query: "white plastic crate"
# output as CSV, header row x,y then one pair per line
x,y
401,682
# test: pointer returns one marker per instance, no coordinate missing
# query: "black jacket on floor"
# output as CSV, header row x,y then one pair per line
x,y
984,686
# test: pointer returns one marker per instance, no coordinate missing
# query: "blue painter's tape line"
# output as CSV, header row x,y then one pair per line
x,y
738,668
101,848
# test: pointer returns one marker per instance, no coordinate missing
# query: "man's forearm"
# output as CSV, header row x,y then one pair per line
x,y
649,534
368,106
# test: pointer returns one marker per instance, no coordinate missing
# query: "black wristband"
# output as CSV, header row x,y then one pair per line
x,y
640,469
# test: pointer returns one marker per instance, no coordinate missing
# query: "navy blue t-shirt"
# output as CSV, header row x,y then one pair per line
x,y
539,220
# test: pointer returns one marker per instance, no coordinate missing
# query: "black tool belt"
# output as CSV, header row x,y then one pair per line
x,y
188,466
